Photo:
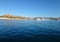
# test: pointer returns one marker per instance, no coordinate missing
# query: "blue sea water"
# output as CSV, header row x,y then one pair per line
x,y
29,31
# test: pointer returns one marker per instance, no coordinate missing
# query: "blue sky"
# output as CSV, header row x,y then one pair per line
x,y
31,8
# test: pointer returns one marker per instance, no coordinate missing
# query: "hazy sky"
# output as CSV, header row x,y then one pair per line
x,y
31,8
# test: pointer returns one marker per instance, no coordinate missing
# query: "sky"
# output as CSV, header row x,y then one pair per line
x,y
31,8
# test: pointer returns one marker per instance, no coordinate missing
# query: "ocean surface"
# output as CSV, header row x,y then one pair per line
x,y
29,31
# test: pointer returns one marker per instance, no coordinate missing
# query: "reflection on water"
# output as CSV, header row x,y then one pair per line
x,y
29,31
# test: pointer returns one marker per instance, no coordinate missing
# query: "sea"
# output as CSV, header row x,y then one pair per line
x,y
29,31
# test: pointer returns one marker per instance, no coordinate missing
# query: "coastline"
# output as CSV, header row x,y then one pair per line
x,y
11,19
24,19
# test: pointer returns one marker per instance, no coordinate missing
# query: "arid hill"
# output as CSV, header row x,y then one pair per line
x,y
12,16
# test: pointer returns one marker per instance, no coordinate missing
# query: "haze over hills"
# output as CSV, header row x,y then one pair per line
x,y
13,17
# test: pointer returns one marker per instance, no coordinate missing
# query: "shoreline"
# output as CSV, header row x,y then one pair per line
x,y
23,19
12,19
